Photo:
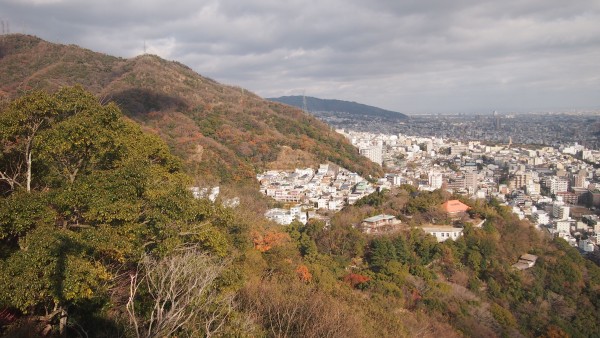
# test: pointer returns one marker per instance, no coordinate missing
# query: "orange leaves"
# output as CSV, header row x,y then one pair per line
x,y
269,240
303,273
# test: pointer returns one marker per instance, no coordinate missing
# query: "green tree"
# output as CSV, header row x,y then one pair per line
x,y
19,128
105,193
381,252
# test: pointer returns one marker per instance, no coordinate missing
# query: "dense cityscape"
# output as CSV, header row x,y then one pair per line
x,y
550,129
557,188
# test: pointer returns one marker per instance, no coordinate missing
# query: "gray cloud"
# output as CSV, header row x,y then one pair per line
x,y
409,56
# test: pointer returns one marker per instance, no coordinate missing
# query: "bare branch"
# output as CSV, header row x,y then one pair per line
x,y
182,290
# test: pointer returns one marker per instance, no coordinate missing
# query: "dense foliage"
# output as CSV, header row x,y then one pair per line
x,y
468,283
84,195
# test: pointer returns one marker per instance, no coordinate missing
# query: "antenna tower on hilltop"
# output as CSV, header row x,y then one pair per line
x,y
304,105
5,27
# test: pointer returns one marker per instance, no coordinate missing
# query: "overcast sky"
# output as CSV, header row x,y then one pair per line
x,y
408,56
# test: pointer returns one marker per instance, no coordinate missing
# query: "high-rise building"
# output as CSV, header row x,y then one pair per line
x,y
496,120
471,181
579,179
435,180
373,153
520,179
558,184
560,210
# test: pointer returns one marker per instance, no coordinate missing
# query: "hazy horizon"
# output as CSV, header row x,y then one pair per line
x,y
411,57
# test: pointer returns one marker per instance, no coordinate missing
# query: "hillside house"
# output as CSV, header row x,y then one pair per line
x,y
526,261
455,208
442,233
379,223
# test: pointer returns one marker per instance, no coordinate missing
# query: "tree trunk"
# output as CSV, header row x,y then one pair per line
x,y
62,323
29,171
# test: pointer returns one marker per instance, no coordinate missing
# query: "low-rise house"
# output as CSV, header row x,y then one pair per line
x,y
335,204
379,223
455,208
526,261
586,245
352,198
280,216
285,217
443,233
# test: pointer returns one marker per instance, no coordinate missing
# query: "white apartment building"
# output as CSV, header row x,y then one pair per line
x,y
395,179
560,210
558,184
532,188
541,217
563,227
435,180
373,153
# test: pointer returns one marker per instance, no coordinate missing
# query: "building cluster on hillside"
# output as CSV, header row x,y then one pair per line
x,y
329,187
212,194
454,209
545,184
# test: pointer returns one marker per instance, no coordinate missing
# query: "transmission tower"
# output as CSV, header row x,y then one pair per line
x,y
5,26
304,105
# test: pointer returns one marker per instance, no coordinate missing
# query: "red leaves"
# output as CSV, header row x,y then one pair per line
x,y
355,279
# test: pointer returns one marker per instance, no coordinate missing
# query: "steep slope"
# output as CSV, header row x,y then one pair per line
x,y
222,132
324,105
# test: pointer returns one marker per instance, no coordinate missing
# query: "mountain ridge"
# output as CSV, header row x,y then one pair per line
x,y
339,106
222,132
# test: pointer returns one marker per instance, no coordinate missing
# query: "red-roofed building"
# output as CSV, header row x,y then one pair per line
x,y
455,208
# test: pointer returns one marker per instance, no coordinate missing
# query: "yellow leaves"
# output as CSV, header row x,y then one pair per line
x,y
213,240
83,278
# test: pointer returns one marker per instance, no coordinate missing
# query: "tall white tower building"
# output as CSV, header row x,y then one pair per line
x,y
373,153
435,180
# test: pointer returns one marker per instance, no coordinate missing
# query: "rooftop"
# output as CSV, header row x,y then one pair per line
x,y
441,228
378,218
455,206
529,257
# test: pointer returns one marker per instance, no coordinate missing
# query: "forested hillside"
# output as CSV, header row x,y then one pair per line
x,y
314,104
222,132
